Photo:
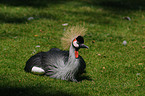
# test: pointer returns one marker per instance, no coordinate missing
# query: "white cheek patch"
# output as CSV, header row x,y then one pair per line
x,y
76,44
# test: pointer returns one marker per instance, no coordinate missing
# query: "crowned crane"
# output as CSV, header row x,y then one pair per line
x,y
65,65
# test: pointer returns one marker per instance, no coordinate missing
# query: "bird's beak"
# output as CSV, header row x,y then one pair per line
x,y
83,46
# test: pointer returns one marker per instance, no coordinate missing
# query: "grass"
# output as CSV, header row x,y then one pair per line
x,y
119,70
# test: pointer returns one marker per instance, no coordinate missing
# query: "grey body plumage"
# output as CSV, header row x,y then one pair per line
x,y
58,64
65,65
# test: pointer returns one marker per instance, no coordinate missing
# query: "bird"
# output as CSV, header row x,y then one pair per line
x,y
60,64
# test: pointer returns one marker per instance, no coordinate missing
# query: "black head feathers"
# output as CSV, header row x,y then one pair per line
x,y
80,39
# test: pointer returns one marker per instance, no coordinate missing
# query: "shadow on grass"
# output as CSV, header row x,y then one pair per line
x,y
8,18
11,19
31,3
114,6
81,78
119,5
33,91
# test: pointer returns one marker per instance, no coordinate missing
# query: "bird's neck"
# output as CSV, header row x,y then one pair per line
x,y
73,53
70,70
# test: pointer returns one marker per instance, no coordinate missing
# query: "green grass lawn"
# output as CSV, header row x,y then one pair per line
x,y
112,68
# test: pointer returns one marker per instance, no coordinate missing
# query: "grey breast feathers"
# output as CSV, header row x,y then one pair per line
x,y
54,58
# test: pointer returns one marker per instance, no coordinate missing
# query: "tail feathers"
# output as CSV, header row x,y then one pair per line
x,y
33,61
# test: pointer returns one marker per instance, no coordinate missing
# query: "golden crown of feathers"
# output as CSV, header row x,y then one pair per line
x,y
70,34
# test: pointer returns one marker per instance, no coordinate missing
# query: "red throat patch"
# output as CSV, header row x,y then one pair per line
x,y
76,54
